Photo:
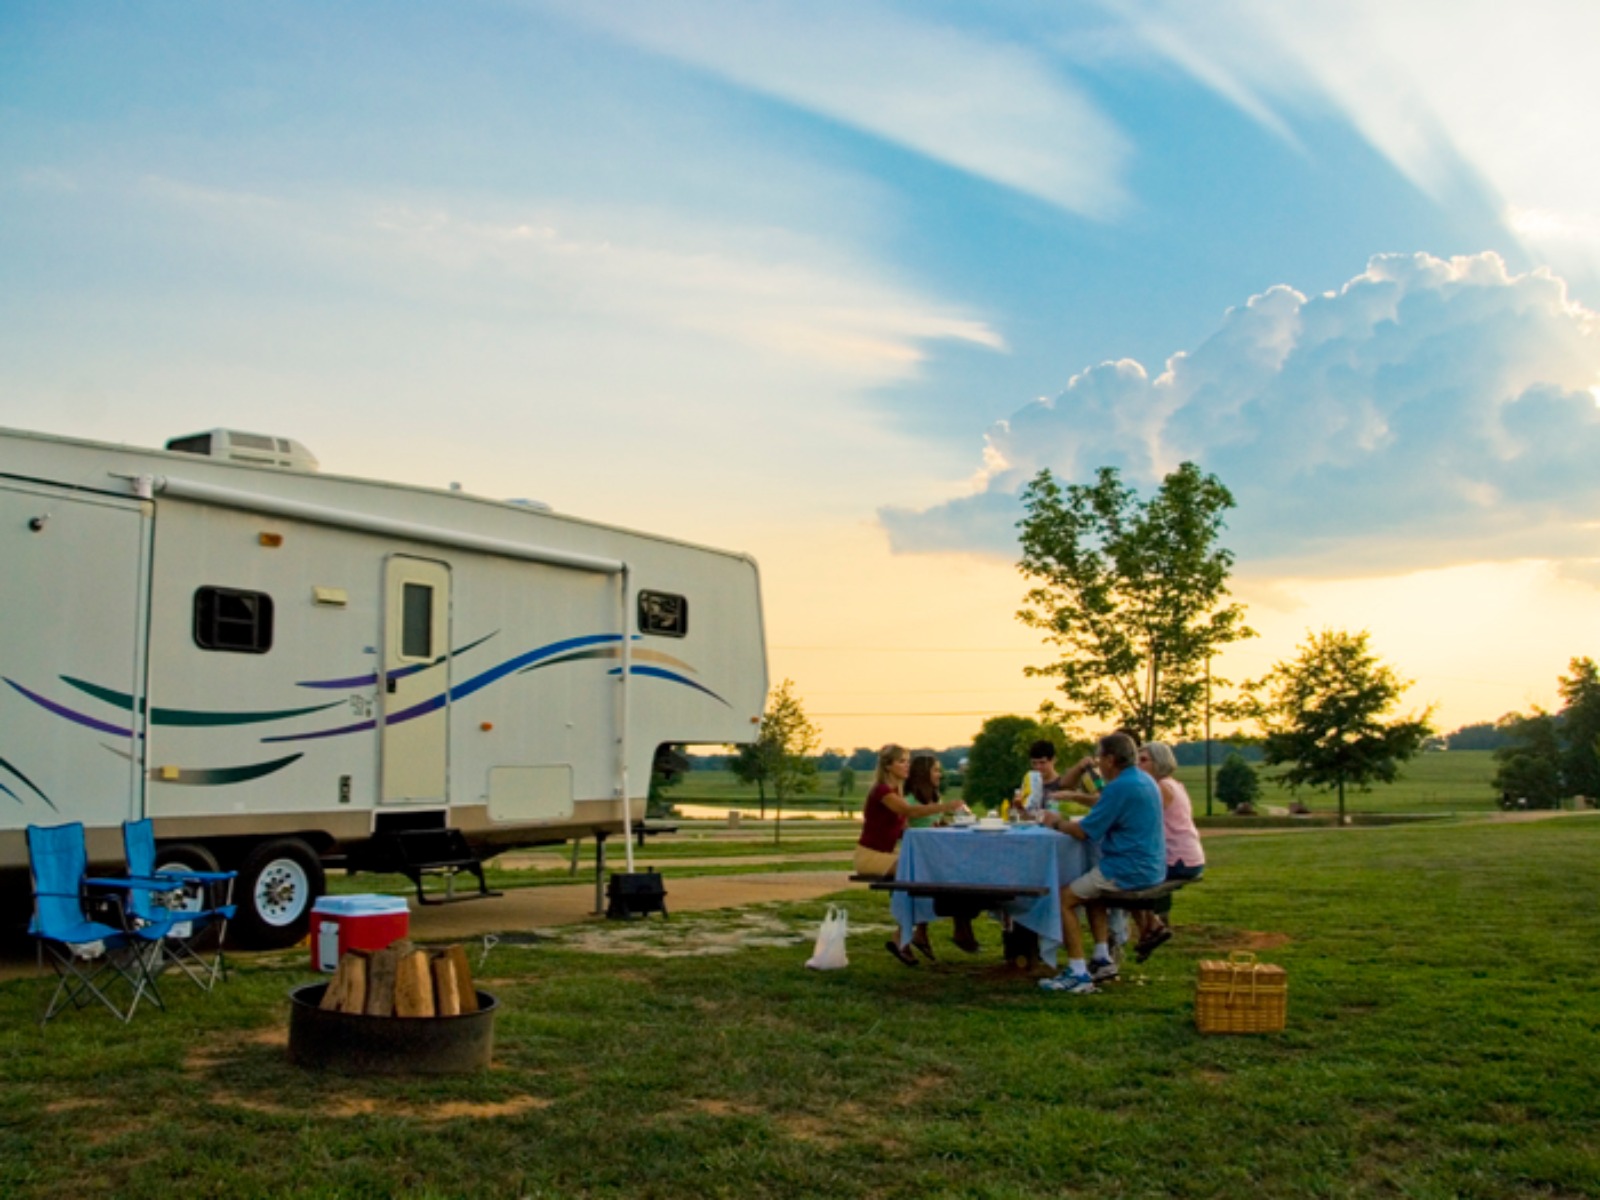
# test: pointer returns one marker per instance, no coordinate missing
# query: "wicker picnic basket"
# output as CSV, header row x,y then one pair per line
x,y
1241,996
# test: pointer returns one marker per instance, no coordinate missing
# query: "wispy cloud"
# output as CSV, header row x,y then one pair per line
x,y
778,291
1448,90
994,108
1430,412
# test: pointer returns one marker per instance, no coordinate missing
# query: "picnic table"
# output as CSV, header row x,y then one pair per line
x,y
1029,862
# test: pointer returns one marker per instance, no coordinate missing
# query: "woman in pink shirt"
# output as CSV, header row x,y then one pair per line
x,y
1185,858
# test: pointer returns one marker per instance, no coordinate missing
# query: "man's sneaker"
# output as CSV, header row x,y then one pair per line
x,y
1078,985
1102,969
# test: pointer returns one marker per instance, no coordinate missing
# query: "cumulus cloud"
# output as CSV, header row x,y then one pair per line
x,y
1429,412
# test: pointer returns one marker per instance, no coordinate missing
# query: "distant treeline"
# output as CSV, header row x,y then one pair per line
x,y
1484,735
864,758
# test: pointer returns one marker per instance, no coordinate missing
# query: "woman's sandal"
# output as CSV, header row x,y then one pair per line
x,y
923,948
903,953
1151,942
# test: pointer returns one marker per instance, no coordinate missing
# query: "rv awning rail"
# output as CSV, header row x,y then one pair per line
x,y
321,514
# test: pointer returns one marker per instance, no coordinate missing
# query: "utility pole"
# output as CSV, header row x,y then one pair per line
x,y
1208,735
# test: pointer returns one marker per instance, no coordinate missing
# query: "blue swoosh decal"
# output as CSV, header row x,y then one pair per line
x,y
660,673
460,691
371,680
69,714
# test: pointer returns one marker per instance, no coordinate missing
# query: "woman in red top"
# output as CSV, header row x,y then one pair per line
x,y
883,821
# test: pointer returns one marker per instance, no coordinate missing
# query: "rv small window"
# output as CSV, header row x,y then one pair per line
x,y
416,621
226,619
663,614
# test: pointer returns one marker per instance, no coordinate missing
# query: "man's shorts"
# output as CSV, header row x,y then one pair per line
x,y
1091,885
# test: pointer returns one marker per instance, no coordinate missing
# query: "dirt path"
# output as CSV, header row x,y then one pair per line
x,y
523,910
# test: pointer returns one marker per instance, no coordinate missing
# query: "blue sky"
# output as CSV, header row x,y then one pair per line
x,y
825,282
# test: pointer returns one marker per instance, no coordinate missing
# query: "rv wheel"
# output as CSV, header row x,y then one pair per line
x,y
186,856
277,885
191,856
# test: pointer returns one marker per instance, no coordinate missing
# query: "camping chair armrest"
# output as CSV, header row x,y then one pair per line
x,y
133,882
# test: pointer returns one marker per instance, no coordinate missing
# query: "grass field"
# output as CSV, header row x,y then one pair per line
x,y
1443,1040
1451,781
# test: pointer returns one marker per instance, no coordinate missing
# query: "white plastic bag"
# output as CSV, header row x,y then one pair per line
x,y
829,953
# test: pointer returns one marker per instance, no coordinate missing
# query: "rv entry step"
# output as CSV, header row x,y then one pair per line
x,y
419,853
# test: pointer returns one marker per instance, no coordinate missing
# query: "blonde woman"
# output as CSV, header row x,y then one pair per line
x,y
883,823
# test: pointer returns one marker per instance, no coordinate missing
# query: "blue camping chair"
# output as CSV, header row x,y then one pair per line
x,y
175,919
86,938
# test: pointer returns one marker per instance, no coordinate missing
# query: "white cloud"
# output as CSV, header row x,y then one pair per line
x,y
1507,92
1430,412
995,109
774,291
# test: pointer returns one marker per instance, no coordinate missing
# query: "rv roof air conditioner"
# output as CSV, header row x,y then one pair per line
x,y
254,448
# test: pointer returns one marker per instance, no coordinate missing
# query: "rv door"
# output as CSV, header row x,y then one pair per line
x,y
415,687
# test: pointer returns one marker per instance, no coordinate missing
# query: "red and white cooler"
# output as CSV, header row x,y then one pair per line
x,y
343,923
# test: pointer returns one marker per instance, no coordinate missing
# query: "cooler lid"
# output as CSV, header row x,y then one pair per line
x,y
360,906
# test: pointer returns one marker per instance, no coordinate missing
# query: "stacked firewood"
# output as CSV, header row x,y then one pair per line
x,y
403,981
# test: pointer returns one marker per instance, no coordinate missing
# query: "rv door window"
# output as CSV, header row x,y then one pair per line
x,y
663,614
228,619
416,621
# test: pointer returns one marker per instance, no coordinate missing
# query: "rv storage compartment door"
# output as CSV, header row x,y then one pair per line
x,y
415,690
71,649
530,793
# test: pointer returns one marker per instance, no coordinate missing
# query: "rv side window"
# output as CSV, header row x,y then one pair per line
x,y
227,619
416,621
663,614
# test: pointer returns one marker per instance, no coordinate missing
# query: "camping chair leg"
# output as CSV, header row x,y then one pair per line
x,y
204,967
149,963
83,985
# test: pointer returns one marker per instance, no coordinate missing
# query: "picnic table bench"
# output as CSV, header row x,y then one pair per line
x,y
952,899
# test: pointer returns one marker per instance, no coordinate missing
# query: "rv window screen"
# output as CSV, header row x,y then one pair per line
x,y
226,619
416,621
663,614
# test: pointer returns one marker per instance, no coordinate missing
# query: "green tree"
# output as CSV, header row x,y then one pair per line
x,y
1529,764
998,759
1320,714
1580,728
1131,594
787,739
847,782
1237,783
750,765
667,771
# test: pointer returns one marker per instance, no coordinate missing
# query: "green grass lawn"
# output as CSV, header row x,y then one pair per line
x,y
1443,1041
1450,781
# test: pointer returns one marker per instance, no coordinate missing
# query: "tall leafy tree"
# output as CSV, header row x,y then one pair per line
x,y
1320,715
1132,595
998,760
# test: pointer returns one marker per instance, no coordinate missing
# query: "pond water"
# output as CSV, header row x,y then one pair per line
x,y
719,812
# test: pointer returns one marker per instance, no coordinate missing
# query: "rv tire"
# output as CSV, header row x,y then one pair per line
x,y
278,883
191,856
186,856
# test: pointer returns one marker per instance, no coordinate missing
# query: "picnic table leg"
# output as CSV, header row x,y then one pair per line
x,y
599,873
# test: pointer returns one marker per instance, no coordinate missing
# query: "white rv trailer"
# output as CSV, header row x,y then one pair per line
x,y
283,667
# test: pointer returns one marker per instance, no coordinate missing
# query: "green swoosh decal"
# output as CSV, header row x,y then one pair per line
x,y
218,776
190,716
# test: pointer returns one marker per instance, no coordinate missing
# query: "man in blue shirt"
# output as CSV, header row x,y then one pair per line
x,y
1126,822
